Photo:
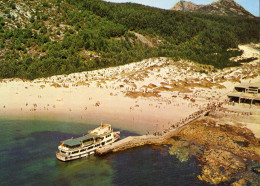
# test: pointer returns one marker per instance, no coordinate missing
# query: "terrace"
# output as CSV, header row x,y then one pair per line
x,y
246,93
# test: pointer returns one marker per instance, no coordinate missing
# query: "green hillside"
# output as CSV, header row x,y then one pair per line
x,y
43,38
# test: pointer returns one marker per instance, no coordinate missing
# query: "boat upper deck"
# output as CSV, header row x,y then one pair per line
x,y
85,140
88,139
103,129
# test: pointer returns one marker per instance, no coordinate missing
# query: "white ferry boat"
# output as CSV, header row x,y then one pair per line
x,y
86,145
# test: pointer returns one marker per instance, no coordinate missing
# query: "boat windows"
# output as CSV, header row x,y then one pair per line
x,y
107,135
73,147
90,147
63,152
89,139
75,152
109,140
82,150
97,145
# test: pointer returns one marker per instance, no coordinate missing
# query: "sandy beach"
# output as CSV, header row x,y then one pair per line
x,y
141,96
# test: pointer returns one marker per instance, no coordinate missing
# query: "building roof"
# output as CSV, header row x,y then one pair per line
x,y
244,95
247,85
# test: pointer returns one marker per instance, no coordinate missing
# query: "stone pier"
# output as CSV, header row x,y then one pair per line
x,y
137,141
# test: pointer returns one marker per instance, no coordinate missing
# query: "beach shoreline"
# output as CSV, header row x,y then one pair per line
x,y
145,96
122,112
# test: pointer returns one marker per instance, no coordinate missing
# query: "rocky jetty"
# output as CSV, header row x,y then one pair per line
x,y
130,142
156,139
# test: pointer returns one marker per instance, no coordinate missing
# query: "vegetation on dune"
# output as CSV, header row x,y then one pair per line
x,y
62,37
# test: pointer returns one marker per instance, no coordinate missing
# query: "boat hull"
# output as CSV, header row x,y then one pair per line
x,y
70,158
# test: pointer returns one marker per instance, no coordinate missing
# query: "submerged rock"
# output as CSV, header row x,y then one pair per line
x,y
184,150
256,170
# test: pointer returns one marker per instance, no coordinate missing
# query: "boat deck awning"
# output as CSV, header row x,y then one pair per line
x,y
74,142
78,141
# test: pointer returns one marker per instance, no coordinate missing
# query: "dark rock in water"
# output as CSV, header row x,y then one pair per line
x,y
256,170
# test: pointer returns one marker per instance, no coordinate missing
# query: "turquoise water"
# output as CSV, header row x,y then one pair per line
x,y
27,157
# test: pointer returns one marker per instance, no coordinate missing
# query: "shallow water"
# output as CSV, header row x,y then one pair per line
x,y
27,156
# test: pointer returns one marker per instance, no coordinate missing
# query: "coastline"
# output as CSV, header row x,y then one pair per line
x,y
113,109
140,97
153,95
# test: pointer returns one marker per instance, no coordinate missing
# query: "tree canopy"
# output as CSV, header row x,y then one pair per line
x,y
92,34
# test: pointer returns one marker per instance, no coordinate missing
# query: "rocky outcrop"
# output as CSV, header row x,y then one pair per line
x,y
224,151
185,6
220,166
221,7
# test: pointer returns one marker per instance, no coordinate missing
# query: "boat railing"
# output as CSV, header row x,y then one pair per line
x,y
61,154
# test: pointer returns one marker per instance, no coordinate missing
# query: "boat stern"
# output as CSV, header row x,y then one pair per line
x,y
60,157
